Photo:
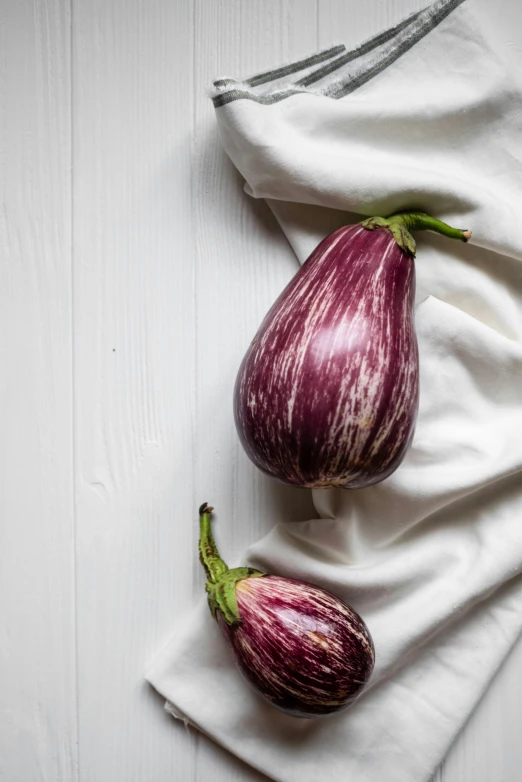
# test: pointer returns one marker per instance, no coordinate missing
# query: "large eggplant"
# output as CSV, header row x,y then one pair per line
x,y
307,652
327,393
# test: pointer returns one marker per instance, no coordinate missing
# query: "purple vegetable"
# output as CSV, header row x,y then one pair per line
x,y
327,393
302,648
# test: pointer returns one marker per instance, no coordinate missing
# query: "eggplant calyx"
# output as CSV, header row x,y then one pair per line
x,y
400,233
402,223
222,595
221,581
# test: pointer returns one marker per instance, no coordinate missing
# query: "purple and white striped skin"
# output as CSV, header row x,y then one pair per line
x,y
303,649
327,393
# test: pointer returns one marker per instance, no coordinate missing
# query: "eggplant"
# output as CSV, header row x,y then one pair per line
x,y
327,393
303,649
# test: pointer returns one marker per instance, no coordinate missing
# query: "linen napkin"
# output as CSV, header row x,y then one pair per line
x,y
426,115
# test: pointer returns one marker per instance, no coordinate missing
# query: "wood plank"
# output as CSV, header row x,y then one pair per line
x,y
242,263
134,374
488,749
38,736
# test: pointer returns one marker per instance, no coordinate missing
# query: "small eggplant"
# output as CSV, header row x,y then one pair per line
x,y
327,393
303,649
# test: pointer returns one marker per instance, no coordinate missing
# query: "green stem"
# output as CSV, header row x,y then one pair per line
x,y
208,552
221,581
401,223
420,221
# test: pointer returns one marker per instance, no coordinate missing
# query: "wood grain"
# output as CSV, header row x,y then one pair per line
x,y
133,275
134,373
38,732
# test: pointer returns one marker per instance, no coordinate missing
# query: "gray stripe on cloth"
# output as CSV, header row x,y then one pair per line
x,y
428,20
354,54
266,100
286,70
433,21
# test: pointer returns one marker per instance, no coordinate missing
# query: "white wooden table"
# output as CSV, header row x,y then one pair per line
x,y
125,236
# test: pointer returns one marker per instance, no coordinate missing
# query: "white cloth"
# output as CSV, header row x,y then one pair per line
x,y
431,557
